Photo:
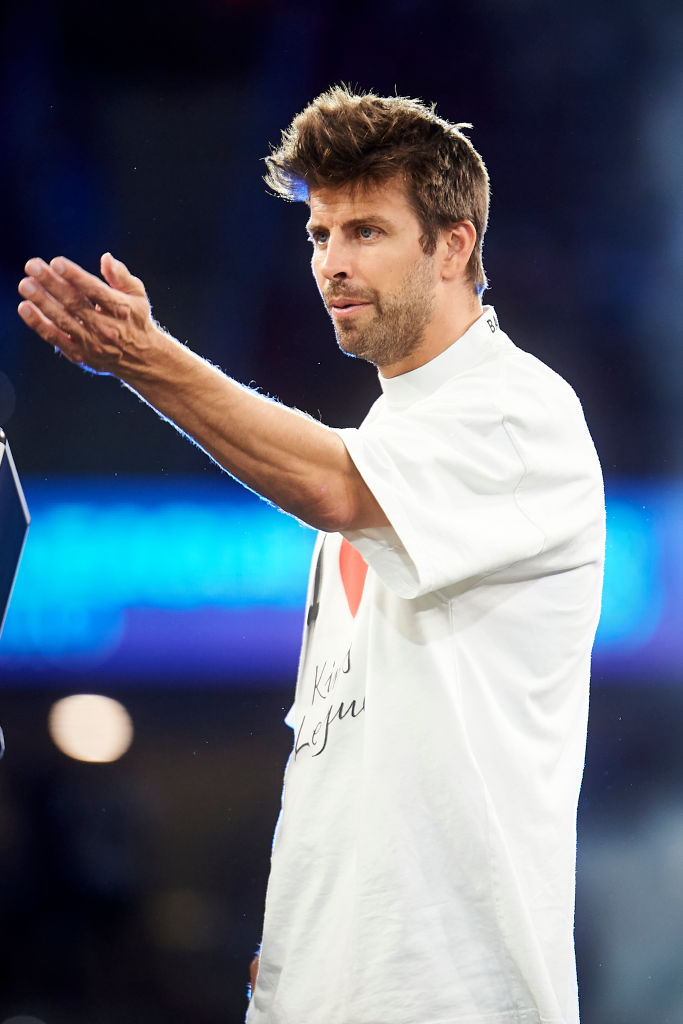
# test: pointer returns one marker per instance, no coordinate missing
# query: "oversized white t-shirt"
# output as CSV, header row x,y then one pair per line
x,y
423,864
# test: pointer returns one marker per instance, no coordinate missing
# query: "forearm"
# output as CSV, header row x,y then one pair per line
x,y
292,460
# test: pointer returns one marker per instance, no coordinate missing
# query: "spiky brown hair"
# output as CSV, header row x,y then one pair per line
x,y
344,138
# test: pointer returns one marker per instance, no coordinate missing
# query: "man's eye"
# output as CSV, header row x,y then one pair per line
x,y
366,232
318,237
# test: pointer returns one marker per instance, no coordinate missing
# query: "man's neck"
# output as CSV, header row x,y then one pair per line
x,y
443,330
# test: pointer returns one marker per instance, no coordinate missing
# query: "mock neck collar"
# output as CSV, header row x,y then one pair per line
x,y
469,349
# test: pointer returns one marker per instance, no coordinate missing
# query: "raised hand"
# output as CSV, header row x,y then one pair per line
x,y
107,327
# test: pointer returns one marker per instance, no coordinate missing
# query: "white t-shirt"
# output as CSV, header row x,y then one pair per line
x,y
423,864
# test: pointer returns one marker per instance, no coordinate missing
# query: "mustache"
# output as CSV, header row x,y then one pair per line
x,y
333,292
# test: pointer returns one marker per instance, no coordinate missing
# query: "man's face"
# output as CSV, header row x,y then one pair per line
x,y
373,276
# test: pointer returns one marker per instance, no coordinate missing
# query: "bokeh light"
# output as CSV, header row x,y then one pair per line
x,y
21,1019
88,727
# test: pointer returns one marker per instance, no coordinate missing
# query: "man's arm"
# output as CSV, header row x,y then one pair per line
x,y
292,460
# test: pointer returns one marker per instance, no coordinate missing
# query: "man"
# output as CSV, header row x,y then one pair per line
x,y
423,864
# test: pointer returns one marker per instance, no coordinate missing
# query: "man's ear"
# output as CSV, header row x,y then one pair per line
x,y
459,240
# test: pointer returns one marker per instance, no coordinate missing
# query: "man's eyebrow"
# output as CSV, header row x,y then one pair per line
x,y
354,222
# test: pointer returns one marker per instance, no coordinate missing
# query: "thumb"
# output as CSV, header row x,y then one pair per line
x,y
117,275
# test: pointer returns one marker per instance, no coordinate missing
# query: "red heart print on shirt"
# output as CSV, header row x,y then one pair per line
x,y
354,569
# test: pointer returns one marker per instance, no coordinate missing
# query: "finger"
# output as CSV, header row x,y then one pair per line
x,y
75,300
98,292
50,308
49,332
118,276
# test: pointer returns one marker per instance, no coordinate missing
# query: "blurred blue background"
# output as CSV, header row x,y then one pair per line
x,y
133,890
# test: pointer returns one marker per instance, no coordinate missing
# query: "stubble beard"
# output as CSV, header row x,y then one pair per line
x,y
397,328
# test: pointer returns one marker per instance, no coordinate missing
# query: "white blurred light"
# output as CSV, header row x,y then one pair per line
x,y
91,728
23,1020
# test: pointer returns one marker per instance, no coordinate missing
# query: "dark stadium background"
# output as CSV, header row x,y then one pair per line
x,y
132,891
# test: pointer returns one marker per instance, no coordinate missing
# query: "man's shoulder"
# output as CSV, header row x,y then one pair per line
x,y
533,378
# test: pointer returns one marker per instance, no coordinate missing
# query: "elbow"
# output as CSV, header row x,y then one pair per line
x,y
347,504
332,494
324,510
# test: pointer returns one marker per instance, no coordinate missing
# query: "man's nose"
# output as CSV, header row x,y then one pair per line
x,y
336,259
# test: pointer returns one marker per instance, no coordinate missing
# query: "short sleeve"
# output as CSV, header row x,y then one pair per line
x,y
494,468
447,480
